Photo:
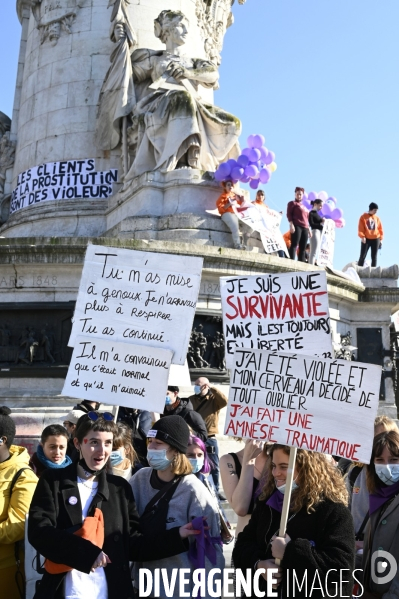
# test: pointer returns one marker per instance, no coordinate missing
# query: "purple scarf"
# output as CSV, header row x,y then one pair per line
x,y
382,495
276,501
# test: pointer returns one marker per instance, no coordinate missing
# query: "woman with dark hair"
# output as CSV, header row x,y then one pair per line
x,y
51,451
316,224
170,479
17,485
84,522
381,535
319,540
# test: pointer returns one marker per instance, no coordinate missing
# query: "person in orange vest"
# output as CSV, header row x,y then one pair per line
x,y
371,234
224,204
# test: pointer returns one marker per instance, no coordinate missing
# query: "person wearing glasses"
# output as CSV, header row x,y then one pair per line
x,y
85,523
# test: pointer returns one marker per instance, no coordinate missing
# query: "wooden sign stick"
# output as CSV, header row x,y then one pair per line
x,y
287,495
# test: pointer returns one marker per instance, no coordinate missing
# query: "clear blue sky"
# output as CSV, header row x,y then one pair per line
x,y
320,80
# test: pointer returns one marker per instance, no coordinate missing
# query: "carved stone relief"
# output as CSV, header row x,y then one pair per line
x,y
54,17
7,156
214,17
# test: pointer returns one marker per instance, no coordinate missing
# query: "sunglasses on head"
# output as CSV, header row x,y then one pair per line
x,y
94,416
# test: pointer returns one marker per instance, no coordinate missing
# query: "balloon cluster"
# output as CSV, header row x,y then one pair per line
x,y
255,164
329,209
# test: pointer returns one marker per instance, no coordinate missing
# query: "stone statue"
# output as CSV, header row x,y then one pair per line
x,y
7,150
27,346
171,126
46,344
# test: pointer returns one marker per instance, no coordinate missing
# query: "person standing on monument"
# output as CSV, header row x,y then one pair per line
x,y
208,401
316,223
297,216
371,234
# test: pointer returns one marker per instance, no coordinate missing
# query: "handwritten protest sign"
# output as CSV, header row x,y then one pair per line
x,y
120,374
306,402
276,312
327,243
264,220
136,297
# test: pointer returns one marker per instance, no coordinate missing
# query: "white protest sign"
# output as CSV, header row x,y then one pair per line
x,y
327,243
66,180
306,402
265,221
277,312
120,374
143,298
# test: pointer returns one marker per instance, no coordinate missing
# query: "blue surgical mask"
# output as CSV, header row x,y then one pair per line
x,y
197,464
116,458
388,473
168,401
197,389
282,488
157,459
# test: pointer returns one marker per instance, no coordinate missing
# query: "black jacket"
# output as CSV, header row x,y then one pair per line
x,y
52,519
140,422
315,220
193,419
321,541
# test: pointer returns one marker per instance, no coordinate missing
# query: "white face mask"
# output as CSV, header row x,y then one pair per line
x,y
388,473
282,488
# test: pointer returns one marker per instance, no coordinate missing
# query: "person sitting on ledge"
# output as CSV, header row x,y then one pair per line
x,y
224,204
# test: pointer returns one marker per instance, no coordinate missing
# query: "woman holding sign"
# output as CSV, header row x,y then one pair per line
x,y
318,548
381,537
85,523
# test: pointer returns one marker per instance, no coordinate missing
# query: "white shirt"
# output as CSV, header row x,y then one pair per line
x,y
79,585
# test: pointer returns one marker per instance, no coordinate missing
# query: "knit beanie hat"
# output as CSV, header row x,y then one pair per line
x,y
173,430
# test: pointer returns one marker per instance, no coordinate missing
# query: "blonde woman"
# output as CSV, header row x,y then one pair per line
x,y
319,537
168,493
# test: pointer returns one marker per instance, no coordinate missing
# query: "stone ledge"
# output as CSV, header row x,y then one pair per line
x,y
386,295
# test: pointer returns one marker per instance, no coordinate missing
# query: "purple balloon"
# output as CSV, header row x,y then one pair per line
x,y
327,210
251,171
245,179
312,195
263,153
307,204
246,151
232,163
270,157
254,184
264,175
243,160
237,172
333,200
258,141
254,155
224,169
250,141
337,214
218,175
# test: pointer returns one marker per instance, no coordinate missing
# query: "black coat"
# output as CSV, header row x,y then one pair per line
x,y
52,519
323,540
193,419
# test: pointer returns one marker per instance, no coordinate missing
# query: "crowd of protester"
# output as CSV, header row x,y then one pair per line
x,y
102,506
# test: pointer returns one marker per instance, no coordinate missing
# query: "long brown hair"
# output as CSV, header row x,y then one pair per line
x,y
317,479
389,439
123,438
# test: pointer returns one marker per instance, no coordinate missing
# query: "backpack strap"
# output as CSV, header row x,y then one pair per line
x,y
236,463
359,534
166,492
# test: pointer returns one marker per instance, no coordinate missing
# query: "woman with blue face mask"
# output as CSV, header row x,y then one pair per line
x,y
319,540
382,531
170,478
123,460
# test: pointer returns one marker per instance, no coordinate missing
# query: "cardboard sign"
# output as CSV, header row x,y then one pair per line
x,y
142,298
120,374
66,180
327,244
264,220
307,402
277,312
